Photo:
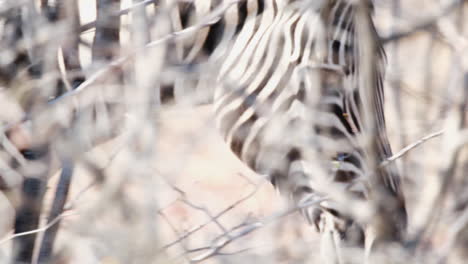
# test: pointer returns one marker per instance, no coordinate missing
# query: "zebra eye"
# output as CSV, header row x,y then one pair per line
x,y
342,156
28,154
33,154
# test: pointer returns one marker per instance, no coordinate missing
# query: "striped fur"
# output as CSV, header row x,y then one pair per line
x,y
289,105
198,53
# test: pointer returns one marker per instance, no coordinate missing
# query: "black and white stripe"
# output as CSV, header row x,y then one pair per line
x,y
288,99
198,54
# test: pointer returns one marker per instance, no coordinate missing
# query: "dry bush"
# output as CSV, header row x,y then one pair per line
x,y
143,182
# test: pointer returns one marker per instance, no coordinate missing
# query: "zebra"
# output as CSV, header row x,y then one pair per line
x,y
289,99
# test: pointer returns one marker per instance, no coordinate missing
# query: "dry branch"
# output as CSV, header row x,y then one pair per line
x,y
410,147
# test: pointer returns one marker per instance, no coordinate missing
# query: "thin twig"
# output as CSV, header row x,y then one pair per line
x,y
35,231
247,228
174,229
410,147
218,215
452,234
206,211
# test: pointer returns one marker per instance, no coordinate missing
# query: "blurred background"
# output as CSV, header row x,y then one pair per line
x,y
168,190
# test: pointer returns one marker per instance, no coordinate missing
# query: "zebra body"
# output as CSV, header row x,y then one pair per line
x,y
288,102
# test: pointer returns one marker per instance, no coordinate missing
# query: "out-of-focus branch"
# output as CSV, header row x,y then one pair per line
x,y
456,228
390,215
63,102
35,231
455,138
117,63
70,13
28,215
122,12
106,38
422,25
61,194
11,41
